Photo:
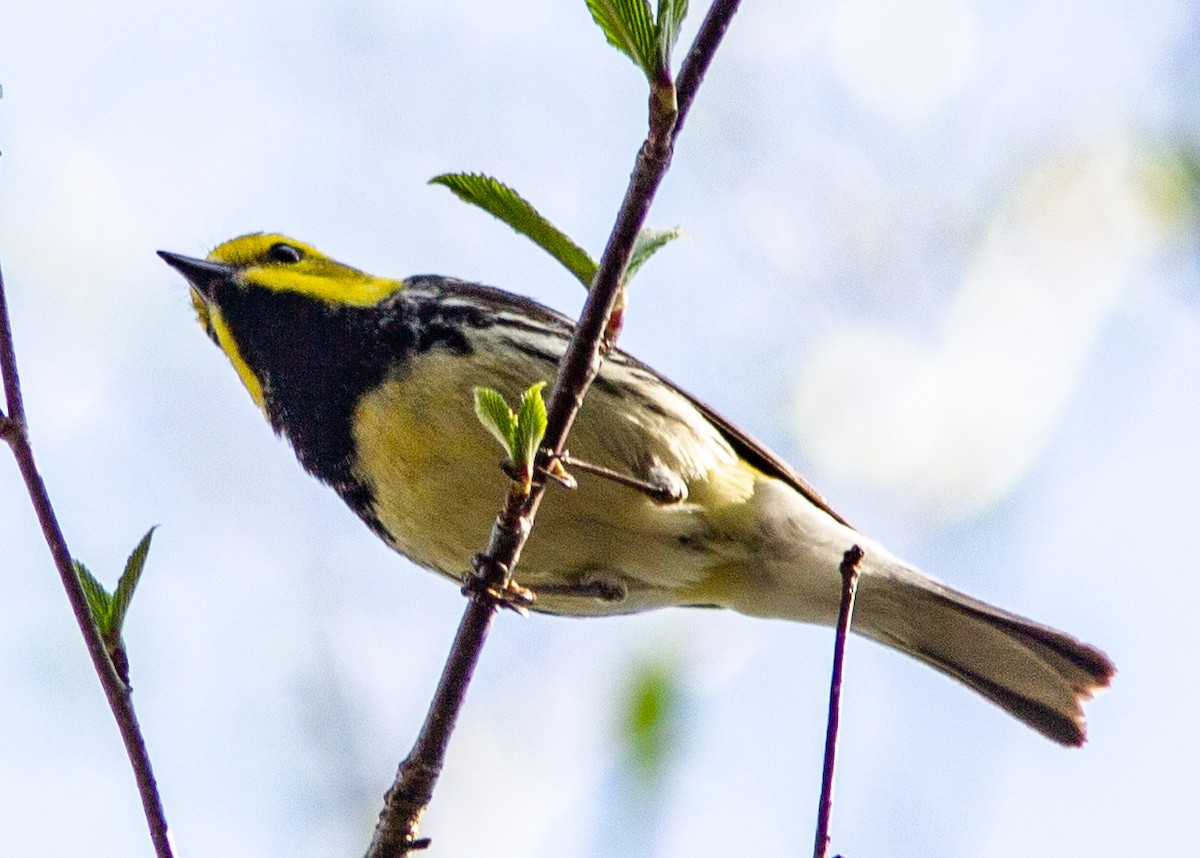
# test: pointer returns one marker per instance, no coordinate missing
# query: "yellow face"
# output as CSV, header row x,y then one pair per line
x,y
285,265
210,317
280,264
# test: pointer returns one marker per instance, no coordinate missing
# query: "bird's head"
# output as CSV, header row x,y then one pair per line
x,y
245,287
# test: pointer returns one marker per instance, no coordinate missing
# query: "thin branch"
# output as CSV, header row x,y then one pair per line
x,y
413,788
581,361
15,417
849,569
15,433
410,793
691,74
395,834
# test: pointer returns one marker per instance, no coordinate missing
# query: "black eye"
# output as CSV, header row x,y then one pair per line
x,y
283,253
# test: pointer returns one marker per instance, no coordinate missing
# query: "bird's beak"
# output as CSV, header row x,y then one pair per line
x,y
203,274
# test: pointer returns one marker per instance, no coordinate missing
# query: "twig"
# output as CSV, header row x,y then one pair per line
x,y
410,793
658,492
412,790
15,433
581,361
849,569
395,834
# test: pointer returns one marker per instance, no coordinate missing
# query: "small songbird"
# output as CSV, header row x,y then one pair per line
x,y
371,381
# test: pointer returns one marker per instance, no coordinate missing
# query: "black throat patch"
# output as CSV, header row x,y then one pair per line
x,y
315,360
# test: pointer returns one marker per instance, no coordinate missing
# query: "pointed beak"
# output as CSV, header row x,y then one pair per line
x,y
203,274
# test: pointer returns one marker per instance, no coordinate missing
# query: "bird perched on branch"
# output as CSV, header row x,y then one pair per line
x,y
370,379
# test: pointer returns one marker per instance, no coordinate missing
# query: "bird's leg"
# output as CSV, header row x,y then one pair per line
x,y
592,585
659,488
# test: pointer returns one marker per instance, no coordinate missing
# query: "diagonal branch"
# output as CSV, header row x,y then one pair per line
x,y
15,433
396,833
849,571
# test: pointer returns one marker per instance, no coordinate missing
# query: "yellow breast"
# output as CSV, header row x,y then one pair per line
x,y
434,472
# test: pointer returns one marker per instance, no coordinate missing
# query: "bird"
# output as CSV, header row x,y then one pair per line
x,y
370,379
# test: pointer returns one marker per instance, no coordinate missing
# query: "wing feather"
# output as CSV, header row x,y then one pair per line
x,y
517,310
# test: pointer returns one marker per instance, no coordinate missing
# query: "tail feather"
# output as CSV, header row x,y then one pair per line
x,y
1038,674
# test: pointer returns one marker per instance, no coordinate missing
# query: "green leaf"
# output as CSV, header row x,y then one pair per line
x,y
531,426
629,27
647,243
495,415
670,18
502,202
128,581
98,599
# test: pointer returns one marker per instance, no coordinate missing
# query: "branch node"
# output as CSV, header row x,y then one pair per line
x,y
850,562
488,583
555,471
10,429
616,320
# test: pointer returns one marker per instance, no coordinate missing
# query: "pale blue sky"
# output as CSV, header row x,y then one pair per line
x,y
938,258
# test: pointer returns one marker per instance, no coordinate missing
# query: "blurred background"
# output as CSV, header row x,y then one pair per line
x,y
943,256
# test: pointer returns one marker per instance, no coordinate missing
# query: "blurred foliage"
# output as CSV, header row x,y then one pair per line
x,y
1172,183
651,717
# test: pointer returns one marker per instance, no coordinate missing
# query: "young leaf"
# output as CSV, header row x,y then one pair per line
x,y
531,426
630,29
128,581
495,415
502,202
648,242
670,18
98,599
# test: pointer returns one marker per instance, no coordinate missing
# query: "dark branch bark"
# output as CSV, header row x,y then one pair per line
x,y
15,433
396,832
849,569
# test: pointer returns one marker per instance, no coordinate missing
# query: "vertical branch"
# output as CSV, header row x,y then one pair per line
x,y
581,361
14,431
849,569
15,418
708,39
395,833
